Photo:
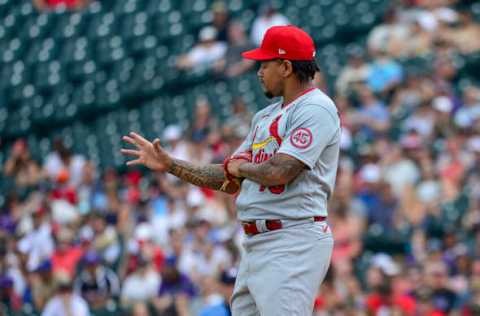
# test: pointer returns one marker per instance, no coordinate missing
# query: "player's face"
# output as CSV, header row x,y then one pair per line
x,y
270,77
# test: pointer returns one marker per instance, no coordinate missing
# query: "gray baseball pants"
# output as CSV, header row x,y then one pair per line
x,y
281,271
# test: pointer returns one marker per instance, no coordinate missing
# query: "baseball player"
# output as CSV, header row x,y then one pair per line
x,y
284,173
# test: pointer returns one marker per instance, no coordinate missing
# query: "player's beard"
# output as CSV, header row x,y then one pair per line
x,y
268,94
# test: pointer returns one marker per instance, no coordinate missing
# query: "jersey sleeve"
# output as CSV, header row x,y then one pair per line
x,y
310,130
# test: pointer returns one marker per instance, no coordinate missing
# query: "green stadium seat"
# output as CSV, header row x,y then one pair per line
x,y
144,44
48,75
123,70
37,104
159,8
110,49
82,70
19,121
127,7
65,109
3,119
107,94
84,96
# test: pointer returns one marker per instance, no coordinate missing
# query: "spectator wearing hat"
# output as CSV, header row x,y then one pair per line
x,y
37,244
65,302
97,284
463,35
175,292
106,239
173,136
43,285
220,20
226,284
204,54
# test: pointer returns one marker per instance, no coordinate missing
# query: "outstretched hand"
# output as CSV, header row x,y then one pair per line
x,y
148,154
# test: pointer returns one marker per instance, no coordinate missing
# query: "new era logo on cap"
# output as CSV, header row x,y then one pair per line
x,y
285,42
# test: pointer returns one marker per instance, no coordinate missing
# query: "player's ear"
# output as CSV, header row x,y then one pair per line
x,y
287,68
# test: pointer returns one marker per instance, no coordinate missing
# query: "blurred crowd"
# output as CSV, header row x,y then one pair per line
x,y
78,240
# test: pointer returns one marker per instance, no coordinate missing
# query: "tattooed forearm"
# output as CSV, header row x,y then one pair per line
x,y
209,176
280,169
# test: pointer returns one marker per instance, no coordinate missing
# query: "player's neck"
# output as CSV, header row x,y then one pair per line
x,y
294,91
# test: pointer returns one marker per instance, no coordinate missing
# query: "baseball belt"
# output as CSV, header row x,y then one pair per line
x,y
261,226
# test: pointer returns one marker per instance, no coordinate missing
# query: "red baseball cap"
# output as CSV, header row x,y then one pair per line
x,y
284,42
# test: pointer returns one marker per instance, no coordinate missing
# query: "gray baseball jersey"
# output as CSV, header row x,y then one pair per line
x,y
308,129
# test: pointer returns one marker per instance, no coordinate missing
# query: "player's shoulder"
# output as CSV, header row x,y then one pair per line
x,y
317,103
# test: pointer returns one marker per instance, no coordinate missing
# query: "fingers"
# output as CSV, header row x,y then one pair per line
x,y
135,162
139,139
131,152
129,140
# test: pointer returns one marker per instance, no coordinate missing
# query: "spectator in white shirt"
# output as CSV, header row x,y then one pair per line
x,y
66,302
142,285
268,17
205,53
37,244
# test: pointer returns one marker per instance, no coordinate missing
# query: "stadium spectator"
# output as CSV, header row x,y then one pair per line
x,y
268,17
212,303
65,301
176,291
372,118
106,240
21,167
142,285
469,114
61,163
232,64
97,284
204,54
384,73
463,35
221,20
37,244
389,35
354,73
42,285
67,254
176,145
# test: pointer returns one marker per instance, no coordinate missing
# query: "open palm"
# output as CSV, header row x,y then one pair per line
x,y
148,154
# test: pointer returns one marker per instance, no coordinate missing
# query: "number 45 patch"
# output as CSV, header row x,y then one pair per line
x,y
301,138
